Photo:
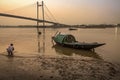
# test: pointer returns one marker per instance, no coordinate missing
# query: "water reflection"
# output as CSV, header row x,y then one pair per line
x,y
116,32
70,52
41,44
38,38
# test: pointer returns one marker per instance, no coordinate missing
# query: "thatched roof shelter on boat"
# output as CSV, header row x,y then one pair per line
x,y
62,38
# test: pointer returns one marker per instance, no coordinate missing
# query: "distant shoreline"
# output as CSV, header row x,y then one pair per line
x,y
77,26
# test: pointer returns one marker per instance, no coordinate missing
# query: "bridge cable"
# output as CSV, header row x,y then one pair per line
x,y
48,16
19,8
50,13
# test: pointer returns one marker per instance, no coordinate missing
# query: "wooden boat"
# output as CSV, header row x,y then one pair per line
x,y
68,40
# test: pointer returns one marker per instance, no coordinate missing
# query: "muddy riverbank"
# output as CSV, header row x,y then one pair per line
x,y
56,68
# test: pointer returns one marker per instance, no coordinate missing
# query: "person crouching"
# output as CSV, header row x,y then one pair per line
x,y
10,50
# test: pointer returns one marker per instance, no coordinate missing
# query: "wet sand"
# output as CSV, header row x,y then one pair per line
x,y
56,68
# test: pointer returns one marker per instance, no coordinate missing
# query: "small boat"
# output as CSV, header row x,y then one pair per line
x,y
68,40
72,28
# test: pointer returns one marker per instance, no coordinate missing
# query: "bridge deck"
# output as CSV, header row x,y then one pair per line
x,y
27,18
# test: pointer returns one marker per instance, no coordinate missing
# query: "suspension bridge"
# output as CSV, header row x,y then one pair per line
x,y
33,19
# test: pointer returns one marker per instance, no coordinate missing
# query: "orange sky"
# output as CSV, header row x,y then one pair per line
x,y
65,11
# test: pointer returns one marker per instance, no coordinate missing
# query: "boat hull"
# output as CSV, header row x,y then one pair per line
x,y
85,46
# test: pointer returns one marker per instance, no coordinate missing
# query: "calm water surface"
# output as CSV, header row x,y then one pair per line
x,y
26,42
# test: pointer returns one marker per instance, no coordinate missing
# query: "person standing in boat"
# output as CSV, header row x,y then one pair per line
x,y
10,50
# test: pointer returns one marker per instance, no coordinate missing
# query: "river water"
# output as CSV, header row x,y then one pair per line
x,y
26,42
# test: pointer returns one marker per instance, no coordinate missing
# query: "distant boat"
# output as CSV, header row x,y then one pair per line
x,y
68,40
71,28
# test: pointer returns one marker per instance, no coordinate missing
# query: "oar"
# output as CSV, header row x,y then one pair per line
x,y
56,33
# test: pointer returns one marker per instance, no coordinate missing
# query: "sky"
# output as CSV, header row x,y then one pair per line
x,y
64,11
